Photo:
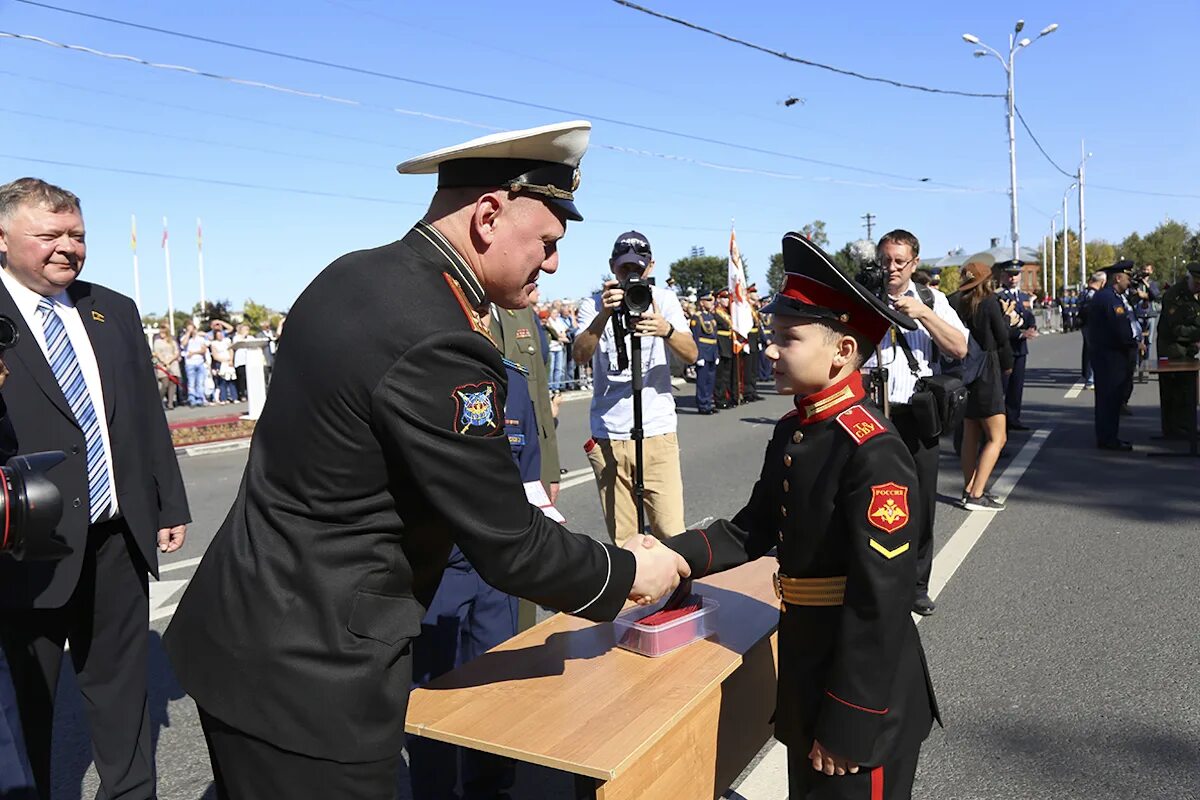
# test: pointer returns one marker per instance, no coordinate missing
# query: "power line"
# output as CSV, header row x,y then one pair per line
x,y
1025,125
356,103
783,55
400,78
1136,191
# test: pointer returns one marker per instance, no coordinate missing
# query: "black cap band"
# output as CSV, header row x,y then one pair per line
x,y
503,172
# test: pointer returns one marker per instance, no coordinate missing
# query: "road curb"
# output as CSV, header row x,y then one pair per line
x,y
213,447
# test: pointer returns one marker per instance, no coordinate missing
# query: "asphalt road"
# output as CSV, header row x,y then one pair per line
x,y
1064,649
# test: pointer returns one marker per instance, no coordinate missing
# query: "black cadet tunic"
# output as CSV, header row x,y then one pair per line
x,y
835,497
382,443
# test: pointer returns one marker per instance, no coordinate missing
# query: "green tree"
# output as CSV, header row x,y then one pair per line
x,y
1166,247
775,274
210,311
815,233
701,272
182,318
254,314
949,279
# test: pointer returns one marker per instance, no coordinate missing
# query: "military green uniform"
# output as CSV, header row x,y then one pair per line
x,y
518,336
1178,334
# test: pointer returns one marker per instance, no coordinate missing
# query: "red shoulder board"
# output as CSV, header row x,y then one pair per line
x,y
859,423
472,318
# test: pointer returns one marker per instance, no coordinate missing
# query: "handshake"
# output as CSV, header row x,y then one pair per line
x,y
659,569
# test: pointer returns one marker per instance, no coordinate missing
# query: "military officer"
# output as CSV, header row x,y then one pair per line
x,y
750,353
1021,327
835,497
704,331
1095,283
294,636
1110,339
726,387
517,331
1179,338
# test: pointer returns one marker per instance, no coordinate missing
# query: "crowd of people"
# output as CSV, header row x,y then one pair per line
x,y
201,368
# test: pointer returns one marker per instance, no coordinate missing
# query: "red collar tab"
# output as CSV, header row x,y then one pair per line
x,y
831,400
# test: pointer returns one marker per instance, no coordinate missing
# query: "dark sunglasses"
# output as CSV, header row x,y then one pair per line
x,y
621,248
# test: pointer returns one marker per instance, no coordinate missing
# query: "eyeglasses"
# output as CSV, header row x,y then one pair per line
x,y
621,248
888,263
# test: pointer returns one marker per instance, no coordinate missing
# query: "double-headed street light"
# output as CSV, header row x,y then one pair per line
x,y
1013,46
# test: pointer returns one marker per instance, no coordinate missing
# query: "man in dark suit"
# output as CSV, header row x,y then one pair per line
x,y
295,635
82,383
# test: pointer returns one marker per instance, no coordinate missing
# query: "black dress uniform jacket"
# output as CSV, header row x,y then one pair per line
x,y
835,498
150,491
381,444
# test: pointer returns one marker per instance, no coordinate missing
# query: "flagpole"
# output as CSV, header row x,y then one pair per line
x,y
137,282
200,257
170,294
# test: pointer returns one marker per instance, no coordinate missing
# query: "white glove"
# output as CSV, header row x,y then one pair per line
x,y
717,360
700,362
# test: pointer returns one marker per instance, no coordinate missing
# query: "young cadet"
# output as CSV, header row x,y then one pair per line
x,y
836,497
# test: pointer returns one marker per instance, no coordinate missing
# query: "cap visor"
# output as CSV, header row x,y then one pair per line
x,y
568,209
631,257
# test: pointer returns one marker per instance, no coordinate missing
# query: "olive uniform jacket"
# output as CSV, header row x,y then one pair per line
x,y
518,338
381,445
835,497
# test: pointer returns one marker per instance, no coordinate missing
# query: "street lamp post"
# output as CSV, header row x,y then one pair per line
x,y
1082,219
1013,46
1067,227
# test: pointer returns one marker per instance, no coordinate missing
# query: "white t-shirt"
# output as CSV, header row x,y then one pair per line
x,y
556,325
612,391
901,381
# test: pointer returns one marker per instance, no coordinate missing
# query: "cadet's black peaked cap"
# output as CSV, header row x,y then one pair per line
x,y
1012,265
1123,266
541,161
814,288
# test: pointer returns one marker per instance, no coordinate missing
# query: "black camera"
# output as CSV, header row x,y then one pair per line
x,y
639,297
9,333
31,506
873,278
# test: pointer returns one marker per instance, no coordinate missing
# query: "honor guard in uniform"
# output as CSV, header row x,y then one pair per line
x,y
1021,326
765,322
835,498
294,637
726,387
704,330
1179,338
1110,341
750,353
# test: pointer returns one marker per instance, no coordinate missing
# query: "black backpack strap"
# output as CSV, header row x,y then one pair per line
x,y
908,353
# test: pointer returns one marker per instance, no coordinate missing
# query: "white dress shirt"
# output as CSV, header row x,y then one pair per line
x,y
27,301
901,380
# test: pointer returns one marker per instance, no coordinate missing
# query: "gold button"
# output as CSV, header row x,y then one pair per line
x,y
787,461
787,487
783,510
797,437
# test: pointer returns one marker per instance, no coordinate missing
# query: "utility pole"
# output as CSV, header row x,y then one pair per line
x,y
870,224
1082,220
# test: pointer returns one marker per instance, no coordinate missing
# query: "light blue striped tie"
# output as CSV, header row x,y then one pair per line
x,y
65,366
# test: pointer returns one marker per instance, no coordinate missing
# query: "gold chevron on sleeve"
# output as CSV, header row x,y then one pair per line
x,y
889,554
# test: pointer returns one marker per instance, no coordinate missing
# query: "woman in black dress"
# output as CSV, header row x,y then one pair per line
x,y
979,309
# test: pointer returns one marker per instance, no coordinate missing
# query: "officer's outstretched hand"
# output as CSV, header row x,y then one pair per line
x,y
658,569
827,762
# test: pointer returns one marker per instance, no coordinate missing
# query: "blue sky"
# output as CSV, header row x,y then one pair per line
x,y
1119,77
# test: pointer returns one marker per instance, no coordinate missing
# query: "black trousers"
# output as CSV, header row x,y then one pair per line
x,y
726,391
247,768
749,362
1177,397
925,454
1014,391
890,781
105,621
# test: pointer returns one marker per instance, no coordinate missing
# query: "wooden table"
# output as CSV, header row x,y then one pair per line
x,y
1174,367
562,695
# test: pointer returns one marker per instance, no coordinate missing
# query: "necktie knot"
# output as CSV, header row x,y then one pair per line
x,y
45,305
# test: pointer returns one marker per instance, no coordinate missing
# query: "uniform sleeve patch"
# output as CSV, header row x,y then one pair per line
x,y
889,507
859,423
475,409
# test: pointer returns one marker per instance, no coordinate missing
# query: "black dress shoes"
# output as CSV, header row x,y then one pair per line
x,y
923,606
1118,446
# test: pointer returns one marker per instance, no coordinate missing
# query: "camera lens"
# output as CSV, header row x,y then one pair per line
x,y
638,298
31,507
9,333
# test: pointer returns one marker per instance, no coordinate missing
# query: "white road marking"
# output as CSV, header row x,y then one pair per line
x,y
576,477
161,592
1074,391
768,779
174,565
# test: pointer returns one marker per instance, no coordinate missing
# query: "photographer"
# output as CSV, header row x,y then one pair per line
x,y
1144,296
937,324
611,448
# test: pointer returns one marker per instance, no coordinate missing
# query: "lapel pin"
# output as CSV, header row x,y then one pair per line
x,y
96,315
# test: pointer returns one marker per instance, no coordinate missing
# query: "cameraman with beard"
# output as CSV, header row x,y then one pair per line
x,y
610,451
